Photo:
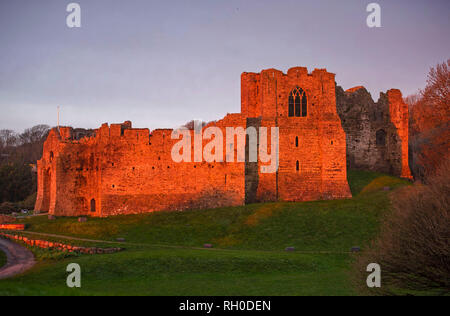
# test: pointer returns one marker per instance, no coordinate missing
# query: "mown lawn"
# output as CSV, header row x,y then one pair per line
x,y
248,258
189,272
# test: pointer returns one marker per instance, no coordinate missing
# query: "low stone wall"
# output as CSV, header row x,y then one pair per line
x,y
12,226
4,219
60,246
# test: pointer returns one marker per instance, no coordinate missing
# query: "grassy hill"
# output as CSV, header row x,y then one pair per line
x,y
2,258
162,254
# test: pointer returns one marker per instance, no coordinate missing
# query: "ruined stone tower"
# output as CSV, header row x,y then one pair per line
x,y
377,132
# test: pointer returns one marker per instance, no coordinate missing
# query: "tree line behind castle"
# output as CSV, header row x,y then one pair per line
x,y
19,153
364,121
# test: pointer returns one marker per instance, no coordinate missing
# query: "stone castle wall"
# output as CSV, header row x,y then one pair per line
x,y
124,170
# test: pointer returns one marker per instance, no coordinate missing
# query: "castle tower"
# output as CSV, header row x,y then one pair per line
x,y
377,132
312,146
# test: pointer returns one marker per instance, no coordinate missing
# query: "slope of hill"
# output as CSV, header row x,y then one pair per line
x,y
2,259
162,256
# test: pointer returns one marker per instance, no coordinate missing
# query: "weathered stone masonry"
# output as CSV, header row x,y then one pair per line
x,y
377,132
122,170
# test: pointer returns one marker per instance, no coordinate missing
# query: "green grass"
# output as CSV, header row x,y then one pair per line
x,y
190,272
2,259
248,258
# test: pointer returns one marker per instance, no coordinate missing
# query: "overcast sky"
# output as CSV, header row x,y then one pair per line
x,y
162,63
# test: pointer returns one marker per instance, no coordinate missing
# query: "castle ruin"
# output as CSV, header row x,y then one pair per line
x,y
124,170
377,132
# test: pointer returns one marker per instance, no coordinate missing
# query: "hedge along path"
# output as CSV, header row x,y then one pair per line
x,y
170,246
19,259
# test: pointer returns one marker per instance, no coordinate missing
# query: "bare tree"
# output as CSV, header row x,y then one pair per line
x,y
8,138
437,91
430,122
35,134
413,99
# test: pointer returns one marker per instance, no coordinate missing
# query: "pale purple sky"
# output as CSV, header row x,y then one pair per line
x,y
162,63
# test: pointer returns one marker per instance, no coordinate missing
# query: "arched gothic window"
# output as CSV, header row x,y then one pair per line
x,y
298,103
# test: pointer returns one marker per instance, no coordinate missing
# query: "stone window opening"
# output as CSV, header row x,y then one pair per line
x,y
381,137
51,156
304,105
296,141
297,166
113,186
298,103
93,208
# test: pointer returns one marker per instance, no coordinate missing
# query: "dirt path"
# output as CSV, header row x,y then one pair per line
x,y
20,259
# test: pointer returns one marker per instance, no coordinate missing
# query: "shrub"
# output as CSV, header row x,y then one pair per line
x,y
413,248
8,208
28,203
16,182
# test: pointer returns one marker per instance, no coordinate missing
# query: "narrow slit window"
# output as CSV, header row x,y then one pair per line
x,y
93,209
296,141
297,166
